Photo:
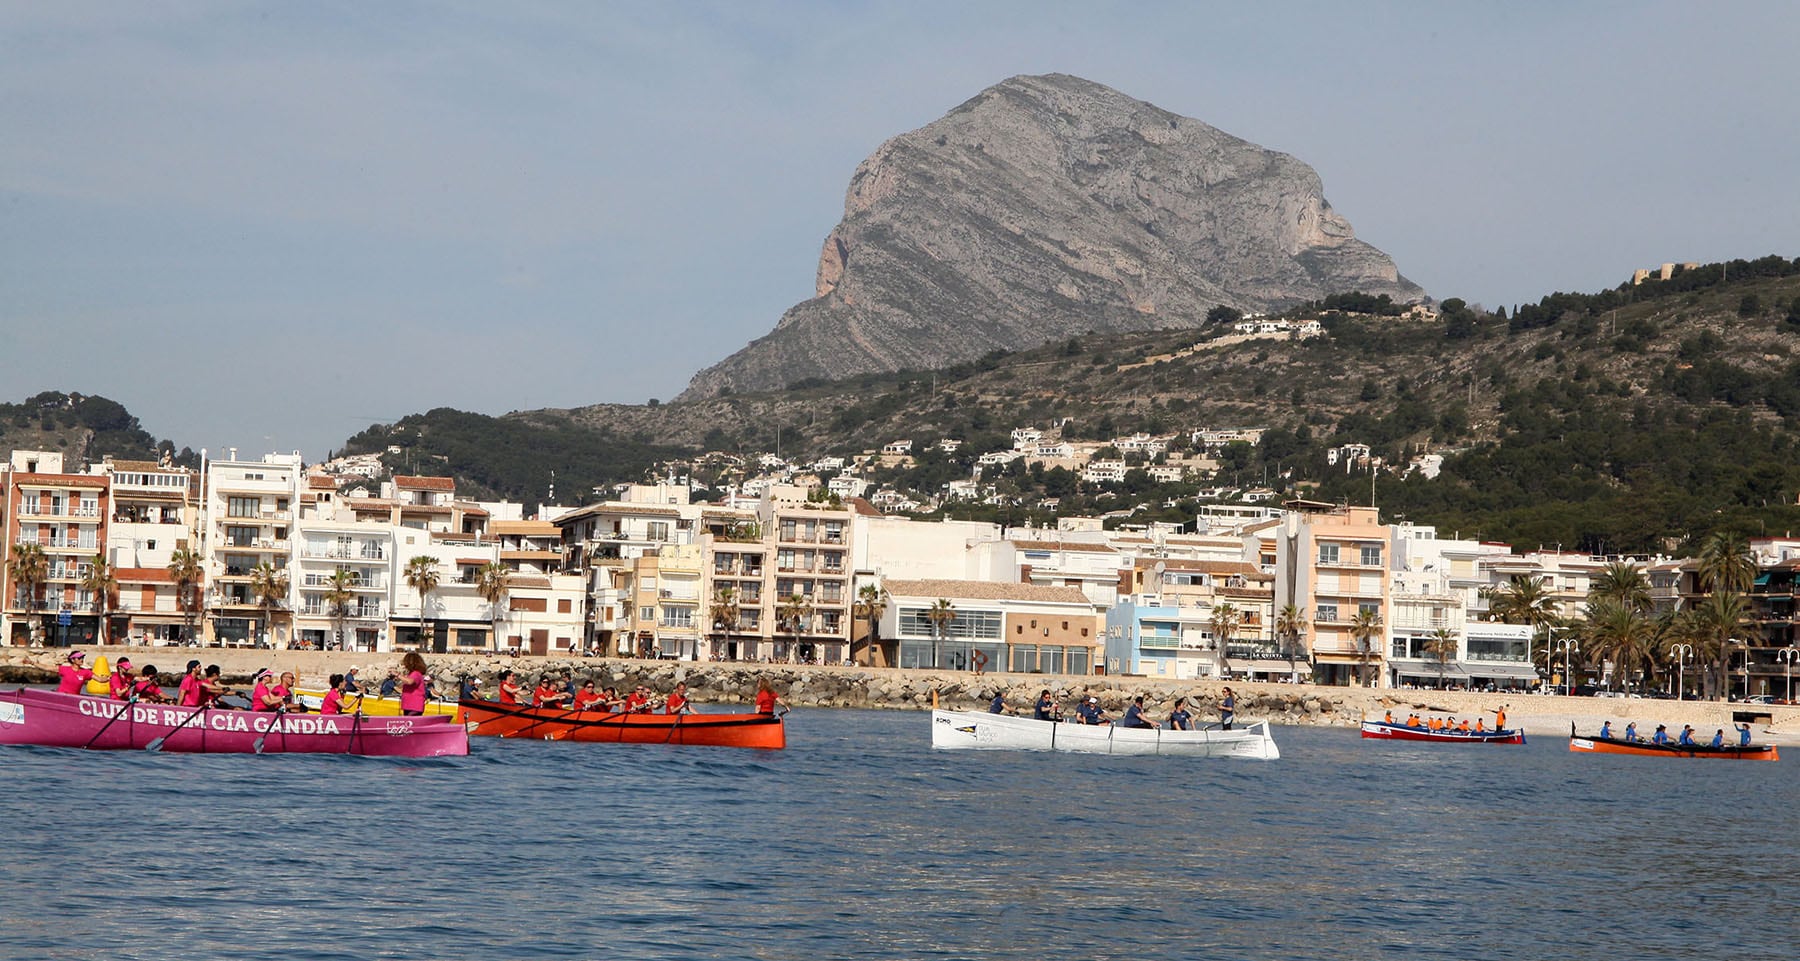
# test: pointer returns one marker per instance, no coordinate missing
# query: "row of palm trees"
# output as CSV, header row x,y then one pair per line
x,y
794,612
1618,622
29,569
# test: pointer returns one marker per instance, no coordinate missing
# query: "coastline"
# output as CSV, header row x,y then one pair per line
x,y
734,683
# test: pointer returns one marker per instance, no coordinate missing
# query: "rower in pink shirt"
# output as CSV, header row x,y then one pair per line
x,y
187,693
263,697
74,674
413,688
122,681
334,698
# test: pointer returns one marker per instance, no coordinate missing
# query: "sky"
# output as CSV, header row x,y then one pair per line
x,y
269,226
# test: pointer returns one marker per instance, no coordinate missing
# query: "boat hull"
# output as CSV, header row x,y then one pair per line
x,y
1596,745
374,705
493,719
48,719
1381,730
963,730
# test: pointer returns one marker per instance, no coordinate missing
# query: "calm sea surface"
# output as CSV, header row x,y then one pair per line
x,y
859,841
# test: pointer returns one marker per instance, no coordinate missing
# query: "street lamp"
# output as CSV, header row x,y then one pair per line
x,y
1567,646
1786,656
1681,653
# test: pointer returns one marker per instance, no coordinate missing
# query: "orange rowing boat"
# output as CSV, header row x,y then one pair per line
x,y
493,719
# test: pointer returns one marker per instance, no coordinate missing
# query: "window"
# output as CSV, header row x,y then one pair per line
x,y
1328,553
1369,609
1328,612
1371,555
646,613
243,506
658,530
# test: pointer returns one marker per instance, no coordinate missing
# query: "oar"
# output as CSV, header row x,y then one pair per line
x,y
565,732
356,722
534,724
157,744
257,745
124,710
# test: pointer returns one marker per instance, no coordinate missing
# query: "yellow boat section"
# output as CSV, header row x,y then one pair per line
x,y
372,705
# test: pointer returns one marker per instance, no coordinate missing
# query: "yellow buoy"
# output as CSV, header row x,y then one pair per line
x,y
101,682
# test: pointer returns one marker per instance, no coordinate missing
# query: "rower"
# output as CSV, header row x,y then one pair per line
x,y
1631,731
74,674
1687,736
122,681
1606,731
1045,708
1388,718
677,701
334,695
1718,739
1134,715
1464,726
1480,726
1661,736
509,688
995,706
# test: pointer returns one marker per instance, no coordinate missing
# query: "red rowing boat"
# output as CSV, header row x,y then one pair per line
x,y
1382,730
49,719
493,719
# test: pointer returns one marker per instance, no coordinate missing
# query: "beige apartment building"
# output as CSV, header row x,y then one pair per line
x,y
1332,564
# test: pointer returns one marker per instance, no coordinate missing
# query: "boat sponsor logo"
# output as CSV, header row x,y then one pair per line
x,y
1582,744
12,712
224,721
400,728
967,730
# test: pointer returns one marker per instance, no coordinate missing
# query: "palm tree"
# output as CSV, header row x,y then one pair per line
x,y
1619,632
724,611
1290,624
794,612
1226,620
1524,600
422,576
940,614
1726,564
270,586
187,572
1441,645
1716,627
1365,627
490,583
1625,583
29,569
339,593
870,607
102,584
1725,567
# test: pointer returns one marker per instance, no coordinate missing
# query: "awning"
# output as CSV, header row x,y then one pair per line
x,y
1503,669
1449,670
1267,666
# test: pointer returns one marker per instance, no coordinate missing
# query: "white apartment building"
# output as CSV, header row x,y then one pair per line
x,y
247,519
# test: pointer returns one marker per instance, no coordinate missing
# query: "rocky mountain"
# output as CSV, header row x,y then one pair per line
x,y
1047,207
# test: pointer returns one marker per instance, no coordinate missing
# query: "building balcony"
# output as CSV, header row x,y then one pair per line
x,y
27,509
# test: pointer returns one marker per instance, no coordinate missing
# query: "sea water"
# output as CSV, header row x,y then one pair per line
x,y
859,841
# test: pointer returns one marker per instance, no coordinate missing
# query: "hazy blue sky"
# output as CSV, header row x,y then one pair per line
x,y
270,225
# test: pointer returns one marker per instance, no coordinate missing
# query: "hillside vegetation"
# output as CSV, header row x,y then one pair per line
x,y
1630,419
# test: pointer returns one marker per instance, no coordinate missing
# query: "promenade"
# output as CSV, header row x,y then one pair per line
x,y
734,683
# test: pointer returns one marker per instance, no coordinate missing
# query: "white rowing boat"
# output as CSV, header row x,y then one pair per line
x,y
951,730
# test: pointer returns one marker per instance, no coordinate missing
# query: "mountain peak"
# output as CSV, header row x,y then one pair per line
x,y
1043,207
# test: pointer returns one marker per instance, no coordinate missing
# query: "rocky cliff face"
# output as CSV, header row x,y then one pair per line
x,y
1043,208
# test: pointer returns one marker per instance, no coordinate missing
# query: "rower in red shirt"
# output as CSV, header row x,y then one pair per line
x,y
677,702
765,697
638,701
587,697
509,689
548,694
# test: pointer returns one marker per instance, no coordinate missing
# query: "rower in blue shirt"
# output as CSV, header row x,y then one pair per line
x,y
1687,736
1718,739
1134,715
1045,708
1631,731
1606,731
998,704
1661,736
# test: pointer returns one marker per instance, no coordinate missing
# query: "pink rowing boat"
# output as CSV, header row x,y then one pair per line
x,y
50,719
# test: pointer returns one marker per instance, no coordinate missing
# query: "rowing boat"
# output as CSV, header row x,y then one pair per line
x,y
952,730
49,719
373,705
1386,731
1729,752
493,719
